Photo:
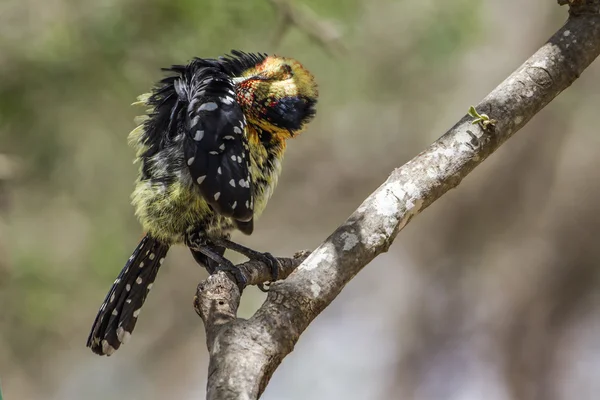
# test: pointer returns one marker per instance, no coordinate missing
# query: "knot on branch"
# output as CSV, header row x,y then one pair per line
x,y
217,300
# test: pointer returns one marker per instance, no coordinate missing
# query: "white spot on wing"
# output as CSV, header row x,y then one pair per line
x,y
201,179
139,280
199,135
190,161
136,313
217,195
210,106
232,182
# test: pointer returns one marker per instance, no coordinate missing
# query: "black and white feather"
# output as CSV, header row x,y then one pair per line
x,y
198,126
119,312
216,146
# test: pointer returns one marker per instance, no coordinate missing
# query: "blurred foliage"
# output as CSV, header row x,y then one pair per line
x,y
69,71
64,104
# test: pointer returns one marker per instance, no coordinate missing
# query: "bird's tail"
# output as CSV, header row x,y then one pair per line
x,y
119,312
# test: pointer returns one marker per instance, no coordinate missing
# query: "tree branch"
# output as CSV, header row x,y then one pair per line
x,y
245,353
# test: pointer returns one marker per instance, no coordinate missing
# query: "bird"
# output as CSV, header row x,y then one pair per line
x,y
210,148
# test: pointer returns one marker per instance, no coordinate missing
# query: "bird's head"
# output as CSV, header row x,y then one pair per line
x,y
276,93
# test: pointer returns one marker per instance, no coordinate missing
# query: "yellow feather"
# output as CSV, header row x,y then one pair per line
x,y
142,100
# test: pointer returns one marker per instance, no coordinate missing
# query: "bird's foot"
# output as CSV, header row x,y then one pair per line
x,y
273,263
227,266
211,256
266,258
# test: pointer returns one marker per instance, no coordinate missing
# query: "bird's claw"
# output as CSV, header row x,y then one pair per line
x,y
273,263
239,277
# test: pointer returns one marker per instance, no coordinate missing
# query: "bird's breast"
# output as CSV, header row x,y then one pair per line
x,y
265,169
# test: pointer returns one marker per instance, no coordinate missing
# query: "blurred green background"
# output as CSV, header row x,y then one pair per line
x,y
492,293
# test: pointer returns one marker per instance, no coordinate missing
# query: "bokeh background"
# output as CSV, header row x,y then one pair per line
x,y
493,293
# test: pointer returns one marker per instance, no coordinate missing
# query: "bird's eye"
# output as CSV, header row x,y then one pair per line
x,y
286,70
283,72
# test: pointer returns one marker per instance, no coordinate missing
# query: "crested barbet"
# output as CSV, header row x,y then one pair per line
x,y
210,151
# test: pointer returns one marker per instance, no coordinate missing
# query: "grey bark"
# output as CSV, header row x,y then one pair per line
x,y
245,353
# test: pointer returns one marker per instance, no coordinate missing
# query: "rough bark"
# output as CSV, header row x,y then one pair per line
x,y
245,353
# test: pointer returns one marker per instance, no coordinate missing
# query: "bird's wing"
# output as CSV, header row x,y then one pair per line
x,y
216,146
